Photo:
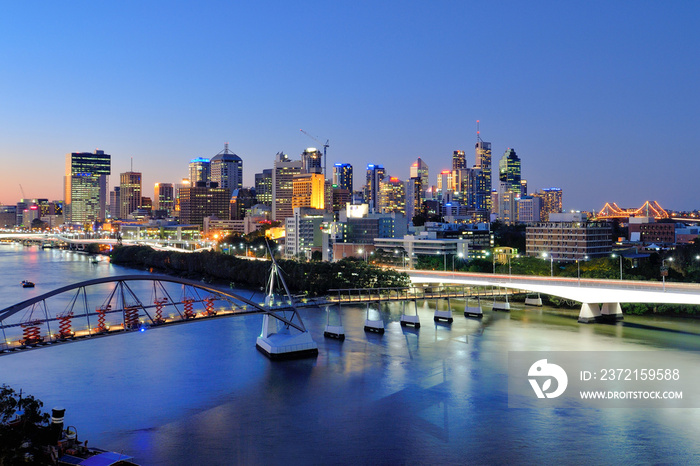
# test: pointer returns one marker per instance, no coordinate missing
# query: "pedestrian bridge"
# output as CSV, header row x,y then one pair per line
x,y
600,299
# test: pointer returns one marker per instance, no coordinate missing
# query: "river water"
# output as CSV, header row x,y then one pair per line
x,y
201,393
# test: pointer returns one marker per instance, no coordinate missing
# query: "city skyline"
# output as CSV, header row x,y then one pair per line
x,y
583,97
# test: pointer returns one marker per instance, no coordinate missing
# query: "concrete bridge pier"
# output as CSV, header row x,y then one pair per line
x,y
410,319
286,342
611,312
593,312
374,325
590,312
334,331
501,305
443,315
473,311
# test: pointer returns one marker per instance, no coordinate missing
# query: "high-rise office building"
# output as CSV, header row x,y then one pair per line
x,y
444,183
85,186
129,193
203,200
419,169
551,202
375,174
226,169
459,160
413,197
392,196
164,197
483,162
308,190
263,187
509,172
342,176
200,170
241,201
114,202
283,185
312,160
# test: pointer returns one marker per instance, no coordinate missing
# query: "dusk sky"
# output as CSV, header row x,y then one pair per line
x,y
598,98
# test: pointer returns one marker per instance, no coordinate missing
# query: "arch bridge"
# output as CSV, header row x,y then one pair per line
x,y
112,305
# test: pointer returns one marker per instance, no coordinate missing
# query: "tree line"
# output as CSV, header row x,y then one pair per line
x,y
312,278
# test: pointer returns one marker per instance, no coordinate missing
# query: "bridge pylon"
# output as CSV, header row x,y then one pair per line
x,y
283,333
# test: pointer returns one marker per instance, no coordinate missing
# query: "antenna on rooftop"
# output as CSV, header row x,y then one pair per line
x,y
478,138
132,164
226,148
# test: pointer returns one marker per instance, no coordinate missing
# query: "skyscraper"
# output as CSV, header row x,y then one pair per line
x,y
226,169
342,176
551,202
312,160
263,187
392,196
283,185
85,186
164,197
129,193
483,162
419,169
375,174
200,169
308,191
199,201
459,160
509,172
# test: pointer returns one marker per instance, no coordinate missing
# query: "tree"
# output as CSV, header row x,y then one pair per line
x,y
32,425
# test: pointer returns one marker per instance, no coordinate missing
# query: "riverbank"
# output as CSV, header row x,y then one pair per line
x,y
312,278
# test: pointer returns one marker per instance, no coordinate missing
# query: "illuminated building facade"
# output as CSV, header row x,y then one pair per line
x,y
342,176
312,160
263,187
392,196
569,237
483,163
200,169
551,202
164,197
419,169
200,200
85,186
129,193
308,190
375,175
509,172
283,186
226,169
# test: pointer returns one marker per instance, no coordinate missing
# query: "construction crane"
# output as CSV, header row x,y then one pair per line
x,y
325,146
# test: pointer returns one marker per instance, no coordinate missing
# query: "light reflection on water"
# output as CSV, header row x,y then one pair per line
x,y
200,393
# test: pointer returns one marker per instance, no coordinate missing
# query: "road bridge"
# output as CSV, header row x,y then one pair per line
x,y
600,299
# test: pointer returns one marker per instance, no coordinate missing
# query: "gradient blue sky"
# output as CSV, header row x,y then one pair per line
x,y
598,98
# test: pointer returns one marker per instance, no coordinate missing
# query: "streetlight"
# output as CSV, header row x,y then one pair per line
x,y
460,255
620,256
510,271
551,263
361,251
664,271
578,269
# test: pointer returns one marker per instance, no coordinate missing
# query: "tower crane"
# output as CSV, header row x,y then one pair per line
x,y
325,146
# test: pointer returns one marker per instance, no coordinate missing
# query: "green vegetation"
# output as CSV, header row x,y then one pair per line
x,y
31,427
313,278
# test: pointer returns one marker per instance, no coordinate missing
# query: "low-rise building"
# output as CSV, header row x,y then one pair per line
x,y
569,237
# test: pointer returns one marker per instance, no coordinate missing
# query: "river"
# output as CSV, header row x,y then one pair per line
x,y
200,393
